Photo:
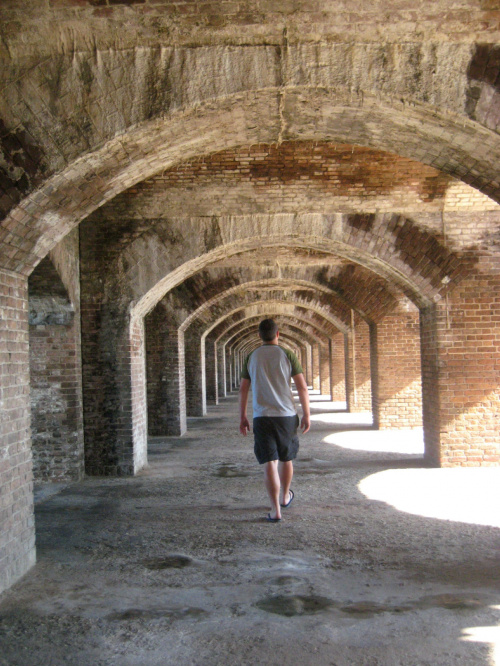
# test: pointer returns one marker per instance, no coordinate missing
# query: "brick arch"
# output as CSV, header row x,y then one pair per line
x,y
290,337
310,332
323,321
286,340
452,144
293,341
238,322
358,244
307,332
299,337
202,293
319,297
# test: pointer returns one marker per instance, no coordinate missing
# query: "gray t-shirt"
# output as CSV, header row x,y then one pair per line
x,y
270,369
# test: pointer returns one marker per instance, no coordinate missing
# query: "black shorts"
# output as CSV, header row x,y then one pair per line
x,y
275,438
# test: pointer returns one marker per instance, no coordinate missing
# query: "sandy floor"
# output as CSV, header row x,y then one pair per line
x,y
378,561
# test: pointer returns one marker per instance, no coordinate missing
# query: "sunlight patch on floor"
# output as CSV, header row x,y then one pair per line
x,y
343,418
467,495
406,442
485,635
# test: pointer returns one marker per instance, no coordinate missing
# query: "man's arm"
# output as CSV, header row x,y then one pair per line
x,y
301,386
244,389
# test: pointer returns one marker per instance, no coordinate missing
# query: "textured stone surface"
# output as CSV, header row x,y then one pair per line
x,y
179,565
173,171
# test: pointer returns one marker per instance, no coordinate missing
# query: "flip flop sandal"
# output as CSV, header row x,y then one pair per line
x,y
292,495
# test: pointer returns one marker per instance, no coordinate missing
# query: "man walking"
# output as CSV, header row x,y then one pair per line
x,y
268,369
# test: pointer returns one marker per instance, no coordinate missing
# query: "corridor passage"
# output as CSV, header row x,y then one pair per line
x,y
178,565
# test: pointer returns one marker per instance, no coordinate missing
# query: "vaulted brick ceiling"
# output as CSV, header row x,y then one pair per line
x,y
254,127
342,186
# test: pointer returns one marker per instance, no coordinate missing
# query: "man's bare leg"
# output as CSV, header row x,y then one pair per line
x,y
272,481
285,471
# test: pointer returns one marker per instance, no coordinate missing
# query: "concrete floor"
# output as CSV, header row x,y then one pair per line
x,y
378,561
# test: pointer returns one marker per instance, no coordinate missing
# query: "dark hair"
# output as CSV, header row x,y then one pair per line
x,y
268,329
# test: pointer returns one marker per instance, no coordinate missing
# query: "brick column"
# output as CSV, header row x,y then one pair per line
x,y
55,372
114,390
399,399
330,369
324,362
307,364
338,371
239,362
17,528
362,373
461,373
350,384
166,375
374,373
196,400
237,370
221,371
316,383
139,431
229,371
303,361
211,372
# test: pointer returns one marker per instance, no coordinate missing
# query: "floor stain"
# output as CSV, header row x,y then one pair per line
x,y
294,605
169,562
229,471
156,614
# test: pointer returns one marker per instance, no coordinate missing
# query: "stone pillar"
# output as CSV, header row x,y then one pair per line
x,y
196,401
461,372
17,527
399,400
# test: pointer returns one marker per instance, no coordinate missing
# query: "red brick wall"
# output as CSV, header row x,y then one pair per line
x,y
17,531
399,397
469,370
315,367
355,179
324,358
363,371
357,366
338,369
